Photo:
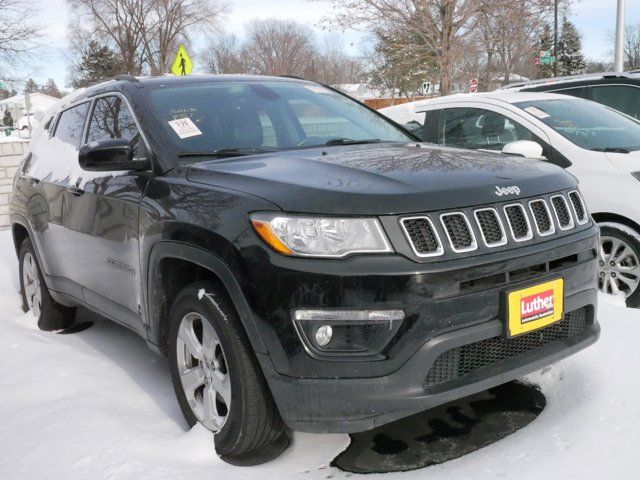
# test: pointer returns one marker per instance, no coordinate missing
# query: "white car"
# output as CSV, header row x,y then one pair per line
x,y
597,144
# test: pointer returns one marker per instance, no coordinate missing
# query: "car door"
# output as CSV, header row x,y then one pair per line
x,y
102,214
44,180
488,127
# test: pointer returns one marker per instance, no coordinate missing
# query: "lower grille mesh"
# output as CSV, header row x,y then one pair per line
x,y
461,361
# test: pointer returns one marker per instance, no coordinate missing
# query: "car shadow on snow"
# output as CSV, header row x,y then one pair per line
x,y
443,433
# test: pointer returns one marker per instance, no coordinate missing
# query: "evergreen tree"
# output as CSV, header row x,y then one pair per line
x,y
32,86
50,88
7,120
546,45
570,57
96,63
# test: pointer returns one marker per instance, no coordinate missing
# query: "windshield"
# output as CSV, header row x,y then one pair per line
x,y
587,124
235,118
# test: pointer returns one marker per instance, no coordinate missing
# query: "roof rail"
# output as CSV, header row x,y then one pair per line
x,y
293,77
129,78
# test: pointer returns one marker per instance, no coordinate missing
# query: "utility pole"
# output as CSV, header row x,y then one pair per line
x,y
555,37
619,56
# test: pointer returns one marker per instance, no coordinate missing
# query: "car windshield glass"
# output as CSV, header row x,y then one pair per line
x,y
257,117
587,124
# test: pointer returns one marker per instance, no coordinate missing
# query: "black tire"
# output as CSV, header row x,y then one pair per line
x,y
52,316
626,235
253,422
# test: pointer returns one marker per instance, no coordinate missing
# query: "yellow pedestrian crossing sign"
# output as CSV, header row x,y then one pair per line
x,y
182,65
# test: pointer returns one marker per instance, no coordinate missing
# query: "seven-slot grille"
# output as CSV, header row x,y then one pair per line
x,y
565,220
515,223
518,222
491,227
422,236
578,207
542,217
459,232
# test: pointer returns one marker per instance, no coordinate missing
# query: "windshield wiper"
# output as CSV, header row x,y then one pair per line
x,y
349,141
227,152
612,150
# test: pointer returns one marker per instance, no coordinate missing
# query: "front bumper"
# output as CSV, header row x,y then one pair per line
x,y
448,305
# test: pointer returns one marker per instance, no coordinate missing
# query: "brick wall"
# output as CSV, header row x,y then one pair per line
x,y
10,155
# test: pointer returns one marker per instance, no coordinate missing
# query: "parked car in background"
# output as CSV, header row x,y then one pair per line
x,y
597,144
300,260
616,90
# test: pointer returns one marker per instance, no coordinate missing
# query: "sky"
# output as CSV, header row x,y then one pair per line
x,y
595,19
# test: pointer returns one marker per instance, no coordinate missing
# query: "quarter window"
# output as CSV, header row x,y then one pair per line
x,y
71,124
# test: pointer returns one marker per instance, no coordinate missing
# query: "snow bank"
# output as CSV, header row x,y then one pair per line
x,y
99,405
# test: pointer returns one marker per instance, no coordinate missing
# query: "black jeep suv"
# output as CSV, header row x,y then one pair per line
x,y
302,261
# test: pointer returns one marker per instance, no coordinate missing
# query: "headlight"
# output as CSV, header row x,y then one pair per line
x,y
311,236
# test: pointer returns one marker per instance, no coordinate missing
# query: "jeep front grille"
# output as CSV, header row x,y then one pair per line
x,y
422,236
561,209
491,227
467,359
459,232
494,226
542,217
578,207
519,223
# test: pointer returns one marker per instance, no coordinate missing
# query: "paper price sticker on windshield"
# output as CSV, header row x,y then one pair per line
x,y
184,127
536,112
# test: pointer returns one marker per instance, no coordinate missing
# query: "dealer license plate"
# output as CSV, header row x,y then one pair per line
x,y
535,307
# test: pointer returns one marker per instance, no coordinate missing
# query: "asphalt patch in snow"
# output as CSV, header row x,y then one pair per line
x,y
443,433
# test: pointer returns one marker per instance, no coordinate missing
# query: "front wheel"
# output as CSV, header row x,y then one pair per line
x,y
217,379
620,262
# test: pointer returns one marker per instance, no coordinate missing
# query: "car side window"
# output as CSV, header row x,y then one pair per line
x,y
71,124
624,98
111,118
477,128
574,92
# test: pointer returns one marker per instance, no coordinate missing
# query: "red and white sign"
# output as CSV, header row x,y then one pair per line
x,y
537,306
473,85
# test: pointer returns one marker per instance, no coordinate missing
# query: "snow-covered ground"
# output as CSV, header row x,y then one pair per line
x,y
99,405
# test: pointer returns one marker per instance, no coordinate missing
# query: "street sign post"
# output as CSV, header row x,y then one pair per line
x,y
182,65
473,85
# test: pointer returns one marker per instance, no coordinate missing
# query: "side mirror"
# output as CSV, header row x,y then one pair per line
x,y
524,148
114,154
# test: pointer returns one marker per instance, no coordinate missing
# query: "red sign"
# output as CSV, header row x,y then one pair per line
x,y
473,85
537,306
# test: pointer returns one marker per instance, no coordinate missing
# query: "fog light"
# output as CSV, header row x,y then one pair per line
x,y
347,332
324,335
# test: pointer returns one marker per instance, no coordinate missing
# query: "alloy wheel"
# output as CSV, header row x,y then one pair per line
x,y
203,371
619,267
31,284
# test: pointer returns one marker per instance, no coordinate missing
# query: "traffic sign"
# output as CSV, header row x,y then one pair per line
x,y
182,65
473,85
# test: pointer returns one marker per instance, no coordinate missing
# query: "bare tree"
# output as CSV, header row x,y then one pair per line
x,y
333,66
438,25
144,33
225,55
18,35
632,47
279,47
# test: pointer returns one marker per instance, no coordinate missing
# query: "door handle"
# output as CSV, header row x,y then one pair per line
x,y
76,191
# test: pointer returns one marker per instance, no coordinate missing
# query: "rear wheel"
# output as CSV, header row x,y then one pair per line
x,y
217,379
620,262
35,296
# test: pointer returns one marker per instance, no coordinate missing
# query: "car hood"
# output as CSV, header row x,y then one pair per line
x,y
381,178
627,162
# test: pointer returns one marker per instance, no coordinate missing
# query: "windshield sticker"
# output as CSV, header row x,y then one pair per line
x,y
536,112
184,127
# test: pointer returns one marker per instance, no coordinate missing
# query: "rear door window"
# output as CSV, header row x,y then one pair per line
x,y
625,98
71,124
